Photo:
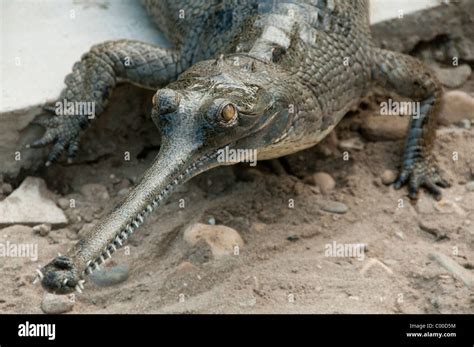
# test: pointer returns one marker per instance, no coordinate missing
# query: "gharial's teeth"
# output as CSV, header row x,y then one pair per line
x,y
81,284
119,241
97,267
102,259
65,282
40,274
78,289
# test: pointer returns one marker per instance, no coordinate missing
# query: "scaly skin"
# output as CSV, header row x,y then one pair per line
x,y
284,76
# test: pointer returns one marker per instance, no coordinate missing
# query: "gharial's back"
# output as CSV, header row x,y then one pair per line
x,y
209,27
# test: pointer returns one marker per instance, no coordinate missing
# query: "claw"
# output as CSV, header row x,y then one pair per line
x,y
78,289
36,280
40,274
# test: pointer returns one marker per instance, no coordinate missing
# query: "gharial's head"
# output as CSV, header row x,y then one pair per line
x,y
231,101
221,102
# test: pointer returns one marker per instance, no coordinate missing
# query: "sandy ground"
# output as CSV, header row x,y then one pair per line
x,y
283,265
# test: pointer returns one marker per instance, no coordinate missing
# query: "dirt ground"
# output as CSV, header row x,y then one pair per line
x,y
283,266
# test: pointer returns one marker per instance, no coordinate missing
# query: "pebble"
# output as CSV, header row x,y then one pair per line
x,y
109,276
388,177
56,304
322,180
400,235
185,268
470,186
453,77
384,128
94,191
42,229
64,203
72,235
457,106
221,239
211,221
465,124
334,206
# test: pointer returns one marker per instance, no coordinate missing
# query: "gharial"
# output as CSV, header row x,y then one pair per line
x,y
274,76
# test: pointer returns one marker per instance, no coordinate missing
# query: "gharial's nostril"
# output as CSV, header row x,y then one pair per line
x,y
166,100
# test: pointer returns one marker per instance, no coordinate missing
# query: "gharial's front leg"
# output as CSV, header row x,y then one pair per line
x,y
409,77
93,79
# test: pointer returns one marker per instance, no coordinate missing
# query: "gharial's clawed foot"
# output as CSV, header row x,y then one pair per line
x,y
64,132
421,174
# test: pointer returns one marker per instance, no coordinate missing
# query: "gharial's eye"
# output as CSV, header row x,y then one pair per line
x,y
228,113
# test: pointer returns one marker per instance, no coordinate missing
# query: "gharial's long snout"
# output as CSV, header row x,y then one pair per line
x,y
179,159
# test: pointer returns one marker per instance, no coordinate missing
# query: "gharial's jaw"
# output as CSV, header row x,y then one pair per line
x,y
66,273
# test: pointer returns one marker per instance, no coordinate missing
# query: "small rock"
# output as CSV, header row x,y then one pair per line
x,y
125,183
334,206
94,191
465,124
42,229
352,143
400,235
470,186
185,268
31,203
55,304
64,203
384,128
72,235
221,239
6,188
457,105
453,77
388,177
293,238
211,221
259,227
322,180
109,276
